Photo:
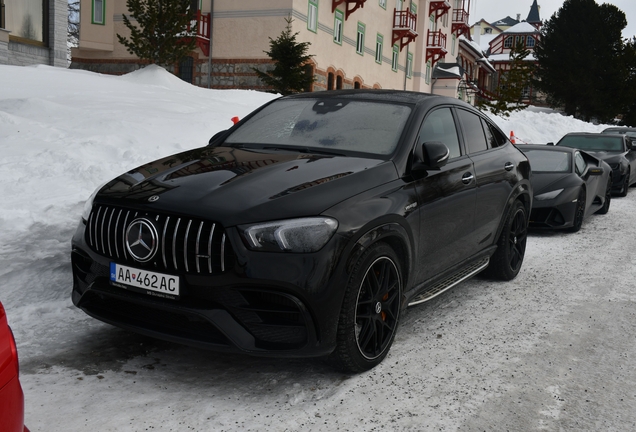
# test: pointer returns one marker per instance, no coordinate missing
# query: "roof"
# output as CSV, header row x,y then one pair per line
x,y
448,70
522,27
533,16
505,22
505,57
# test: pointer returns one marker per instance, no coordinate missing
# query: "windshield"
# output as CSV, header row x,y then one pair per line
x,y
325,124
605,143
549,161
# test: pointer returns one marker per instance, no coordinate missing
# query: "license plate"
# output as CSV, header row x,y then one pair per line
x,y
151,282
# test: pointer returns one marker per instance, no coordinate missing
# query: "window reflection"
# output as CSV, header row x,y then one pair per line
x,y
25,18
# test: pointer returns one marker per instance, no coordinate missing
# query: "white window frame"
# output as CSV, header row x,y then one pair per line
x,y
379,45
338,26
95,19
360,38
395,57
409,65
312,16
509,42
427,77
383,4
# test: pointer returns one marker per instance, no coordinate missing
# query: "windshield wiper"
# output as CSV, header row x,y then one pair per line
x,y
304,150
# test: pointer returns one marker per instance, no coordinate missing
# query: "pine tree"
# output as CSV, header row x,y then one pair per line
x,y
581,59
164,33
289,74
512,83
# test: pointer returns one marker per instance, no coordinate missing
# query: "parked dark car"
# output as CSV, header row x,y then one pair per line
x,y
568,186
11,395
621,130
616,150
306,228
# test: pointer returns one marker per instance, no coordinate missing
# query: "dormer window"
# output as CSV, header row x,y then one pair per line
x,y
487,30
530,42
508,42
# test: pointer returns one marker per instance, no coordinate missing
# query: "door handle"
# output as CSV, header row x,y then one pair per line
x,y
467,178
509,166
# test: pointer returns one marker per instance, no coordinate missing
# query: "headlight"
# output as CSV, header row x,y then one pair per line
x,y
294,235
548,195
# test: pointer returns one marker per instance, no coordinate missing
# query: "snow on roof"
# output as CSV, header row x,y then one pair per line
x,y
506,57
522,27
472,44
453,70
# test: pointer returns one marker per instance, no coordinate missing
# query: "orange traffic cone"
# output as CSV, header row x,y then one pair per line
x,y
512,137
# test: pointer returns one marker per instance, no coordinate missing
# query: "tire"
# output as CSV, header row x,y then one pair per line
x,y
579,213
608,198
625,188
370,311
511,246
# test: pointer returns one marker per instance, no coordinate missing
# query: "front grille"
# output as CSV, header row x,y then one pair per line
x,y
187,245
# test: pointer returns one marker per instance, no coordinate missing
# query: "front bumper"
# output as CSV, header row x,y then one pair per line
x,y
267,304
549,214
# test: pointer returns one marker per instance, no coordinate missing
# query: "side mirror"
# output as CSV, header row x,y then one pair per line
x,y
430,155
216,135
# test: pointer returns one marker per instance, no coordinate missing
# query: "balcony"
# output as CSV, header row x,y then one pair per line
x,y
435,46
202,23
351,6
404,27
460,18
439,8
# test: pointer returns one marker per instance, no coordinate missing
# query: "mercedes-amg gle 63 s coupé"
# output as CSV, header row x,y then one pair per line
x,y
306,228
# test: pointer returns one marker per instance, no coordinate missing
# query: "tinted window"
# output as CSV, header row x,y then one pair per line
x,y
549,161
498,138
580,164
606,143
473,131
440,126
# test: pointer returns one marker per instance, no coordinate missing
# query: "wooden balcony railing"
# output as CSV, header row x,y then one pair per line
x,y
404,27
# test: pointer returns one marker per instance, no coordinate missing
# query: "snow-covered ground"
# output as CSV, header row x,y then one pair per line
x,y
552,350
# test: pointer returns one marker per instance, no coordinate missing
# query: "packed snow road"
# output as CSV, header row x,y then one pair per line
x,y
551,350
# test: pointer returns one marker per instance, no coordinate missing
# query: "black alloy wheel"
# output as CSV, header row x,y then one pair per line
x,y
511,246
370,312
608,198
625,188
579,213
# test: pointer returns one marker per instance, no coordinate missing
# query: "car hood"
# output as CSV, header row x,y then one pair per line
x,y
234,186
609,157
547,182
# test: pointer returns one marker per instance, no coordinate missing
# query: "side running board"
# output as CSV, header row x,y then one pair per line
x,y
451,281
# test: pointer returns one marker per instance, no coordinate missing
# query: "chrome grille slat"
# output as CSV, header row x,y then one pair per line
x,y
174,245
187,245
123,236
97,229
163,242
223,253
116,227
110,223
210,248
196,252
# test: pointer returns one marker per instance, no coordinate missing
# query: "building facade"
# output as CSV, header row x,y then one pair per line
x,y
390,44
33,32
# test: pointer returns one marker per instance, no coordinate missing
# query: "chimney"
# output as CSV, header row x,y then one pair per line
x,y
518,17
477,33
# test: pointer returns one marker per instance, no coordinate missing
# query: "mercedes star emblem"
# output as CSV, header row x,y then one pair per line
x,y
153,198
141,240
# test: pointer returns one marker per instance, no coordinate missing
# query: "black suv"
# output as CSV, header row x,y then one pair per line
x,y
306,228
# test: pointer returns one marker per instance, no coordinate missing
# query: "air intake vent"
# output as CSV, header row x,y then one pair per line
x,y
187,245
